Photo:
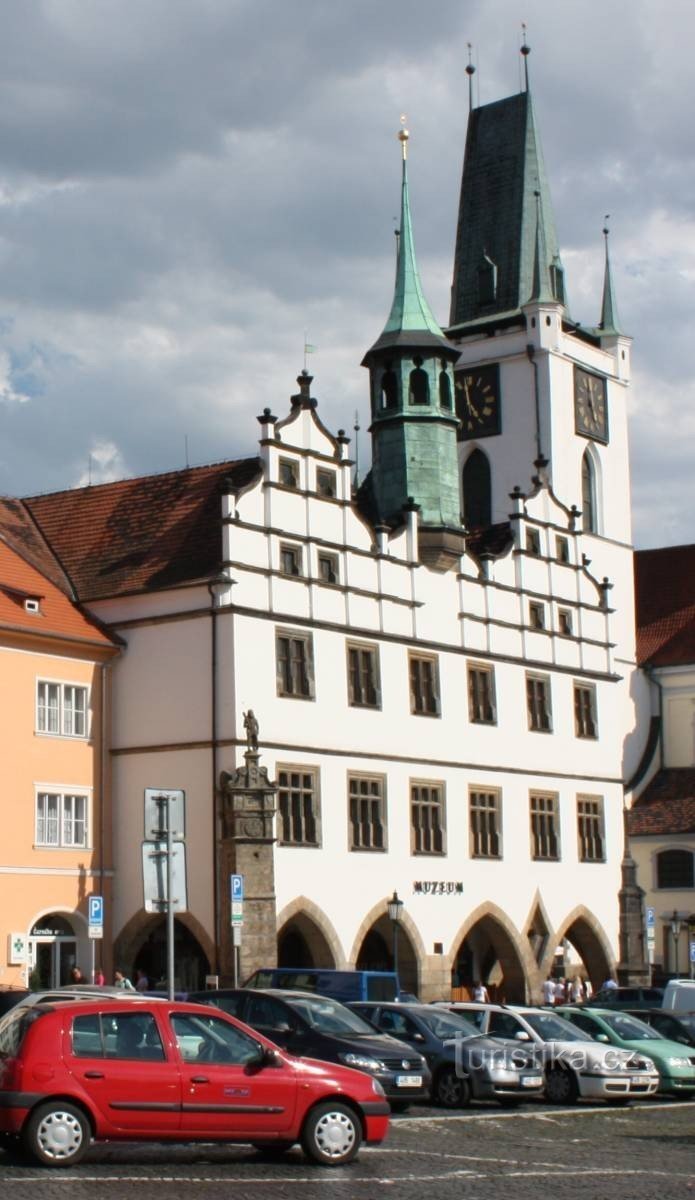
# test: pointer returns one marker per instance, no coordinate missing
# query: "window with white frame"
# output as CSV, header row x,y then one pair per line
x,y
62,819
61,708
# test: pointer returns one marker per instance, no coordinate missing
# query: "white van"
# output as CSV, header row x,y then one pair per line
x,y
679,995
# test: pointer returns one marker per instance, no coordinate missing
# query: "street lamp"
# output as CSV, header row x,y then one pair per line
x,y
395,910
676,926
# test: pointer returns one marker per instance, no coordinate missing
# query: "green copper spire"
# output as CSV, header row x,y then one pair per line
x,y
610,321
410,322
541,288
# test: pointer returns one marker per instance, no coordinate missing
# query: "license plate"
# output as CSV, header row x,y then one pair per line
x,y
409,1081
531,1080
640,1079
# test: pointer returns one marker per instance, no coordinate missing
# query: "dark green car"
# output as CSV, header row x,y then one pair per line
x,y
674,1062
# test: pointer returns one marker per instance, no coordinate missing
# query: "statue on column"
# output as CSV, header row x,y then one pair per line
x,y
251,727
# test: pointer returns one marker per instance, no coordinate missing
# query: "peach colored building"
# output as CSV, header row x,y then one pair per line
x,y
56,843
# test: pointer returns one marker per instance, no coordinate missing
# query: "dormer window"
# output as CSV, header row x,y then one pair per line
x,y
288,472
32,605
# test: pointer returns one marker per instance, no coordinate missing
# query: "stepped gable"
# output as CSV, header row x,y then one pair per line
x,y
667,805
142,534
665,603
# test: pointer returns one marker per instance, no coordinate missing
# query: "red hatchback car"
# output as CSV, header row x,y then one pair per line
x,y
155,1070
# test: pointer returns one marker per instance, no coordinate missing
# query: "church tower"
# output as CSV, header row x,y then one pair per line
x,y
413,419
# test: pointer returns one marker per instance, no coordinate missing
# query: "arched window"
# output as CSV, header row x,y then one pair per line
x,y
589,512
444,389
389,389
477,491
674,869
419,384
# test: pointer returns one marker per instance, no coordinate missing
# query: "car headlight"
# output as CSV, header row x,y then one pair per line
x,y
645,1064
678,1062
377,1088
361,1062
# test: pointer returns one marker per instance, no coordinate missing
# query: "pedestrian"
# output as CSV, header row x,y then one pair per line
x,y
549,991
576,990
480,993
559,991
99,977
121,980
142,983
588,990
76,976
609,984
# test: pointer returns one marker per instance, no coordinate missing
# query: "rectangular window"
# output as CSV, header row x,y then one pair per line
x,y
427,818
424,684
290,559
533,542
585,723
295,664
363,676
481,695
328,568
562,549
288,472
540,717
545,827
326,482
61,708
590,829
485,809
298,806
367,812
536,613
61,819
564,622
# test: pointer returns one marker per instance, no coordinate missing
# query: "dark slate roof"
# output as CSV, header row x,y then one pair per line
x,y
503,168
667,805
141,534
665,604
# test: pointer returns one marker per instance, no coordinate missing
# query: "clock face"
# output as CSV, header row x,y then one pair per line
x,y
478,401
590,409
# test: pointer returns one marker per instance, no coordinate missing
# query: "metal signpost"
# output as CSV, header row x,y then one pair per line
x,y
95,925
164,862
236,900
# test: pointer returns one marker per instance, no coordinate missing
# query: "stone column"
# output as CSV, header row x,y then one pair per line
x,y
246,848
633,969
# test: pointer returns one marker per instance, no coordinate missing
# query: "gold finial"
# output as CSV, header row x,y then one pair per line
x,y
403,135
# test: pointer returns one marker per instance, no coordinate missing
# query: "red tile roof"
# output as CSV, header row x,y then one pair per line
x,y
667,804
58,616
665,603
19,530
141,534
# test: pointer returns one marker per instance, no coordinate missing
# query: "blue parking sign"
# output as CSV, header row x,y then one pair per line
x,y
236,884
96,910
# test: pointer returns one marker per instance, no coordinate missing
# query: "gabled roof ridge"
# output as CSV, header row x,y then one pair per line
x,y
94,487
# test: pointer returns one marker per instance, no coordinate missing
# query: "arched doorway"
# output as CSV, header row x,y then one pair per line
x,y
302,944
488,954
52,951
377,953
190,963
592,948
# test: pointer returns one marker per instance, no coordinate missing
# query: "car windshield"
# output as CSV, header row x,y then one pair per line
x,y
328,1016
551,1028
447,1025
631,1028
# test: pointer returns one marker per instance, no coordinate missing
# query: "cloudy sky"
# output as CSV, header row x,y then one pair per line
x,y
187,186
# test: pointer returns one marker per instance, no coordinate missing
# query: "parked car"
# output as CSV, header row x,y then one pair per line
x,y
674,1062
575,1066
307,1024
341,985
11,996
153,1070
465,1064
679,1028
76,991
627,997
679,995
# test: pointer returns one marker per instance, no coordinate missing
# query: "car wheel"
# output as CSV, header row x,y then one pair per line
x,y
332,1134
56,1134
561,1086
451,1090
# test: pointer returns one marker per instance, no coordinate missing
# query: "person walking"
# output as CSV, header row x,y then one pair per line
x,y
480,993
549,991
76,976
121,980
142,983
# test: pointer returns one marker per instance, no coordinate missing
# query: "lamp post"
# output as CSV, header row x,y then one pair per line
x,y
676,926
395,910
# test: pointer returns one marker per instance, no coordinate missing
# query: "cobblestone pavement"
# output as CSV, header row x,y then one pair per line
x,y
640,1153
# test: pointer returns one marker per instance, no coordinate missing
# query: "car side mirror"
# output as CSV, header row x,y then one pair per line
x,y
522,1036
270,1058
603,1037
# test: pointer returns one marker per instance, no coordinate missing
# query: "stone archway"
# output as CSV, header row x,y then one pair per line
x,y
307,925
586,934
142,943
490,949
374,947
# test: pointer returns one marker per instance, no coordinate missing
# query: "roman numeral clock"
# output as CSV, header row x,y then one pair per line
x,y
590,407
478,402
